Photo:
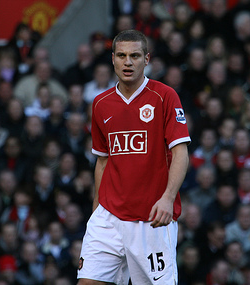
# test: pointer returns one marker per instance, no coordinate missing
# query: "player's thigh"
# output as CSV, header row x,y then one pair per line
x,y
151,254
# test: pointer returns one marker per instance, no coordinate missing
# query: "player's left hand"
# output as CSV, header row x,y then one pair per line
x,y
161,213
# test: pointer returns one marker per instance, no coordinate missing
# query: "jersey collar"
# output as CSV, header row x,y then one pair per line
x,y
135,94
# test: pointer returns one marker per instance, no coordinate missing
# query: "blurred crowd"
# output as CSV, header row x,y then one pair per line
x,y
46,164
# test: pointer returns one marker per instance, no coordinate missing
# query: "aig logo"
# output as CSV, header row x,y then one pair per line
x,y
128,142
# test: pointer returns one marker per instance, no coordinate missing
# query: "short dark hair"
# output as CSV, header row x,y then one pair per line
x,y
131,36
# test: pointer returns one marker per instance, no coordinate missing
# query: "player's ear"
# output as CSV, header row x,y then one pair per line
x,y
113,56
147,58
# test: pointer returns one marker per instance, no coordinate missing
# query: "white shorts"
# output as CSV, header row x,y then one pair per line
x,y
114,250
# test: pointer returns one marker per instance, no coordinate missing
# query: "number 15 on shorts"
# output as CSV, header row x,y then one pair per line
x,y
156,261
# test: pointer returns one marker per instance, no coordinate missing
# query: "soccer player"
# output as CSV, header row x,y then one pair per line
x,y
140,135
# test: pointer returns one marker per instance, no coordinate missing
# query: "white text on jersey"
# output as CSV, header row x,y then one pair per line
x,y
128,142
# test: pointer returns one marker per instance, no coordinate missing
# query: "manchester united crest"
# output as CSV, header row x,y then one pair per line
x,y
40,16
147,113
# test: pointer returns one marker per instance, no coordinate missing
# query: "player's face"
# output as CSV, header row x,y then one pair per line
x,y
129,62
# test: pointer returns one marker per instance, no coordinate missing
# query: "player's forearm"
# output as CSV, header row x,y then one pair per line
x,y
177,171
99,170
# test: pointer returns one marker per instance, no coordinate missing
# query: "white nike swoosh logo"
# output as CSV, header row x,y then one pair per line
x,y
105,121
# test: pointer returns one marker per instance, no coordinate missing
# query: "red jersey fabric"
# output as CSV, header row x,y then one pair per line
x,y
137,135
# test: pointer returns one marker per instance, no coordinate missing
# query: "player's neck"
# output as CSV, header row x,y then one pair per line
x,y
128,88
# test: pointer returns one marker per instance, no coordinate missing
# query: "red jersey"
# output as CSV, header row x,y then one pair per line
x,y
137,134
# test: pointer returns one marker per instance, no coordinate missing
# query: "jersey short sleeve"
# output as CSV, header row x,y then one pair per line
x,y
99,140
176,130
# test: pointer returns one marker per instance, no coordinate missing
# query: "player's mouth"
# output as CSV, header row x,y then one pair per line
x,y
127,72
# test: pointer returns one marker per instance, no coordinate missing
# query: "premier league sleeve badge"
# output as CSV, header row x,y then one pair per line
x,y
180,117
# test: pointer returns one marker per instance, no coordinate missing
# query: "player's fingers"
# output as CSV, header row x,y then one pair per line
x,y
157,222
152,213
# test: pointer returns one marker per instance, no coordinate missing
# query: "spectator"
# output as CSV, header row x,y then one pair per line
x,y
73,139
81,71
144,19
244,185
245,117
212,116
195,75
100,48
8,183
196,34
192,220
205,191
102,80
226,132
217,80
226,171
26,87
84,191
161,44
13,158
66,172
30,265
51,271
33,232
164,9
50,154
55,124
33,138
122,22
156,69
20,212
242,27
23,42
15,118
8,269
236,67
219,21
216,49
40,105
43,194
205,153
190,268
56,243
8,66
240,228
235,102
62,200
88,160
235,257
219,273
241,149
175,53
9,239
41,53
182,16
174,78
74,227
6,94
212,247
223,207
70,268
76,104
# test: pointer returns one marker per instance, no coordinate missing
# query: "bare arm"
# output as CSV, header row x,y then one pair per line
x,y
99,169
163,208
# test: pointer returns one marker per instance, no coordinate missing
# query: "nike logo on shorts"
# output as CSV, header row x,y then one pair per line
x,y
157,278
105,121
